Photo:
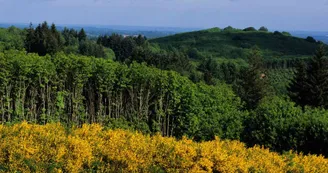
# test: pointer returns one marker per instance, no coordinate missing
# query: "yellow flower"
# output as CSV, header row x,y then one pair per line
x,y
47,148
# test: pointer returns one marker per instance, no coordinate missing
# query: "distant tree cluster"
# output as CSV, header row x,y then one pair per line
x,y
228,28
250,29
43,39
129,49
48,40
213,71
123,47
263,28
70,37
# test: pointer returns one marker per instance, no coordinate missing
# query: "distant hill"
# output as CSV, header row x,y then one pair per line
x,y
234,43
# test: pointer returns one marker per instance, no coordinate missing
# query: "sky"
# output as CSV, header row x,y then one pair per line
x,y
306,15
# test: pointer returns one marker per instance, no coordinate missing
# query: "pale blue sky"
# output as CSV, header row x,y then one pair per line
x,y
275,14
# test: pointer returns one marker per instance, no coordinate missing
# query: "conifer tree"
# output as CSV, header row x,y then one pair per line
x,y
298,90
310,86
317,82
82,35
253,84
30,38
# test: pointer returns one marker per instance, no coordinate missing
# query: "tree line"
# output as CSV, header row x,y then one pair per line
x,y
45,39
75,90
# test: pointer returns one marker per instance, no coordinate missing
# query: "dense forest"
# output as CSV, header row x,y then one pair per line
x,y
261,88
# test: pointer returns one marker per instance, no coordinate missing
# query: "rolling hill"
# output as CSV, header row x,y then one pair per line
x,y
235,43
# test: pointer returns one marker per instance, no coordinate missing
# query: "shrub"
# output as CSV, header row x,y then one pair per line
x,y
48,148
281,126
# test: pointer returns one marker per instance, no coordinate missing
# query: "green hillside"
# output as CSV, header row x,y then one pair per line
x,y
234,43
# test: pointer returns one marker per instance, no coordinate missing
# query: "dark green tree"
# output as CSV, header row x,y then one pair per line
x,y
228,28
310,39
30,38
253,84
317,81
250,29
210,69
310,86
54,43
193,53
82,35
298,90
70,37
43,40
263,29
277,33
128,44
90,48
140,40
229,72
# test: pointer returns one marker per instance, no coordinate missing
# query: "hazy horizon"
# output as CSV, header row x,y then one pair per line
x,y
293,15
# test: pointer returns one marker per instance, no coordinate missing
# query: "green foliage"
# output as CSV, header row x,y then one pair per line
x,y
278,124
277,33
82,36
270,122
70,37
263,28
123,47
233,43
48,40
210,69
249,29
229,28
298,90
43,40
222,117
253,83
193,53
310,84
11,38
88,48
77,89
215,29
229,72
280,80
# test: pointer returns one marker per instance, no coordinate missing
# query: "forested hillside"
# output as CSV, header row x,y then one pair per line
x,y
235,43
273,93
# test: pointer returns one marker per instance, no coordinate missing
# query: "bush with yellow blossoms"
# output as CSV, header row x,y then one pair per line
x,y
50,148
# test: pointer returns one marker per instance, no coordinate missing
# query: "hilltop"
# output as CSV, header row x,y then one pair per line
x,y
234,43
